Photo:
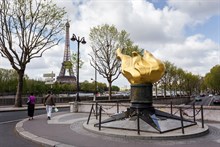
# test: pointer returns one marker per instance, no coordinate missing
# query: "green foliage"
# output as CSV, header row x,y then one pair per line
x,y
90,87
8,81
67,64
176,79
105,40
115,88
212,79
74,62
28,29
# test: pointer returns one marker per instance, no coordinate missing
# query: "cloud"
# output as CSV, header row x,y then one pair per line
x,y
195,54
161,31
198,10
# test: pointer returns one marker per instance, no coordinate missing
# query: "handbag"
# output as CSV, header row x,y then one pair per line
x,y
56,109
28,102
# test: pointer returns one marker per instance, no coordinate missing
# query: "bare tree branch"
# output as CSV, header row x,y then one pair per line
x,y
28,29
105,40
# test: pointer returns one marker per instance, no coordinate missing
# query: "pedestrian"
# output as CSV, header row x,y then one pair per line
x,y
49,103
31,106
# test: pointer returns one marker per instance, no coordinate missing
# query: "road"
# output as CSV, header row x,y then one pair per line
x,y
205,101
8,135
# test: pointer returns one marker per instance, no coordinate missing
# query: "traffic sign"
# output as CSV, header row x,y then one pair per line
x,y
49,83
50,79
49,75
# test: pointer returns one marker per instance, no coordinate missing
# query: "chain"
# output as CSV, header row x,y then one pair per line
x,y
105,109
123,105
186,114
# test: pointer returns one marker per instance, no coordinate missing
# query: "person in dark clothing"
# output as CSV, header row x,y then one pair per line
x,y
49,103
31,106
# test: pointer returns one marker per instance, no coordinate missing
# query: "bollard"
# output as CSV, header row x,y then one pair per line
x,y
74,107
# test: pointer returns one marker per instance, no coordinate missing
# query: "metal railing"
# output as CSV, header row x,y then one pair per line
x,y
181,111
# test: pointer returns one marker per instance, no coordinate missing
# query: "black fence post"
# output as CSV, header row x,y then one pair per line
x,y
100,117
90,114
138,122
171,108
202,116
194,113
181,116
96,110
117,107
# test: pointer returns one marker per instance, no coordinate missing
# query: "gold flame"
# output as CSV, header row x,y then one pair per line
x,y
141,70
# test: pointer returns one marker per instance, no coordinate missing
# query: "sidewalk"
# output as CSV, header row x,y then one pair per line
x,y
67,129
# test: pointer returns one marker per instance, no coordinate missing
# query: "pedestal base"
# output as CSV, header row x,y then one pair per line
x,y
142,110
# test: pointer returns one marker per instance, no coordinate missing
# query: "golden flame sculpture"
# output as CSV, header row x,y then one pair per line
x,y
141,70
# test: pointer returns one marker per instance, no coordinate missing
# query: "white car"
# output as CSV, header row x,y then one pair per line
x,y
210,95
198,98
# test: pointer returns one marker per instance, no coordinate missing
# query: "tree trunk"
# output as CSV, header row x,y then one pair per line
x,y
109,91
18,98
165,90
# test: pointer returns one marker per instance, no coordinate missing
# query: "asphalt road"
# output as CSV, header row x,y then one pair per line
x,y
205,101
8,135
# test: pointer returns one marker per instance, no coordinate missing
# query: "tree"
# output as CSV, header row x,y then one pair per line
x,y
191,83
115,88
177,79
164,81
8,80
74,62
212,79
105,40
27,29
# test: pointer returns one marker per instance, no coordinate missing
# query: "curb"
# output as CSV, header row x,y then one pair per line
x,y
37,139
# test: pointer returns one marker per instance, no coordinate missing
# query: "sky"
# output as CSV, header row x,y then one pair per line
x,y
183,32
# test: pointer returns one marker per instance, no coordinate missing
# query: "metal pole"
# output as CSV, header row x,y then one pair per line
x,y
96,110
82,40
181,116
171,108
90,114
77,95
194,113
138,122
117,107
202,116
100,117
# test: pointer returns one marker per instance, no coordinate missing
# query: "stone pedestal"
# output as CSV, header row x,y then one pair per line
x,y
143,116
141,96
73,107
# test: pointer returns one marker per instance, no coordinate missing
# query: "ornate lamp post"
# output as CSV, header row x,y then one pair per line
x,y
79,40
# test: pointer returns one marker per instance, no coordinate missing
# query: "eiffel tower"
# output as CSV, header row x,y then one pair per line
x,y
66,65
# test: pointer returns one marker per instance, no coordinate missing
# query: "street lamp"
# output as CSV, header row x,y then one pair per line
x,y
79,40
